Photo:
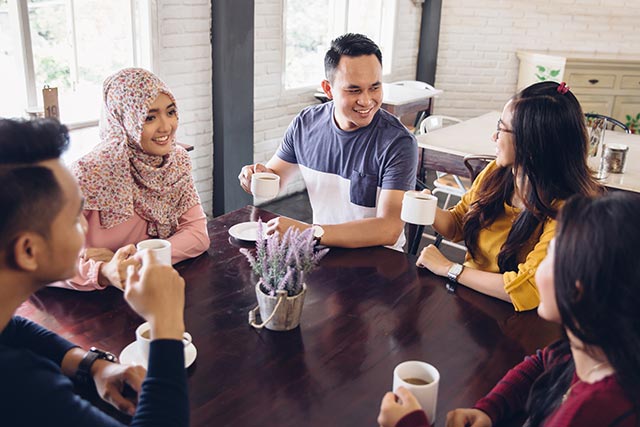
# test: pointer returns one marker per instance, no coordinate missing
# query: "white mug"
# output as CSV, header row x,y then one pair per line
x,y
423,380
418,208
265,185
160,248
143,339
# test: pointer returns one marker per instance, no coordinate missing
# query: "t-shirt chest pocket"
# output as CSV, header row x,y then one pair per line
x,y
364,189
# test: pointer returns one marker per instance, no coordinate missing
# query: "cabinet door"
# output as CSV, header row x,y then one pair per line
x,y
626,105
596,104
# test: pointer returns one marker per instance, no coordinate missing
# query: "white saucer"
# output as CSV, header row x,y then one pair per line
x,y
247,231
131,356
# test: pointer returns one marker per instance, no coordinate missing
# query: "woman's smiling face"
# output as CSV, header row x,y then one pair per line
x,y
159,129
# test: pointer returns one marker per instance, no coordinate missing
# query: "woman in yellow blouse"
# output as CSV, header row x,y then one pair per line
x,y
508,216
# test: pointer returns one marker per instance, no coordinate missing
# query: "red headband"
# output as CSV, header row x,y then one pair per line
x,y
563,88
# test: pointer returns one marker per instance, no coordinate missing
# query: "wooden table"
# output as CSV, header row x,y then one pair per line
x,y
445,148
400,100
366,311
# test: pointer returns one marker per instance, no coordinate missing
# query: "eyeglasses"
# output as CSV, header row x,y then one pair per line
x,y
498,129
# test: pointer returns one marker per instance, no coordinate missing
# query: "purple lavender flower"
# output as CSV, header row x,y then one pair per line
x,y
282,262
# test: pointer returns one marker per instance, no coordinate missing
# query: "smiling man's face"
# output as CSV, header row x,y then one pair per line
x,y
356,91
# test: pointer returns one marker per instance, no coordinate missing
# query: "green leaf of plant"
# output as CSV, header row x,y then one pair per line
x,y
554,73
541,69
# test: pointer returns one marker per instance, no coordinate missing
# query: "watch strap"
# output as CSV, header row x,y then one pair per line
x,y
83,373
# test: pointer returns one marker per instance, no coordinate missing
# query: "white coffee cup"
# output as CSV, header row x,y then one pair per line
x,y
265,185
426,394
160,248
143,339
418,208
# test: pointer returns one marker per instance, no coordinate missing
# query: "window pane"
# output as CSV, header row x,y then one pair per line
x,y
364,18
75,49
307,38
13,100
311,25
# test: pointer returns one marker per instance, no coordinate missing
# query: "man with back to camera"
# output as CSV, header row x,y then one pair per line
x,y
356,159
41,233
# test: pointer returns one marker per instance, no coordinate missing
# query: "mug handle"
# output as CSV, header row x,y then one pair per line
x,y
187,339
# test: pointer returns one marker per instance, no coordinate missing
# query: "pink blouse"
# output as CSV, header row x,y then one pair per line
x,y
190,240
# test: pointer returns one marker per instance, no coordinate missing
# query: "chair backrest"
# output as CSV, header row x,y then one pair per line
x,y
608,122
434,122
475,163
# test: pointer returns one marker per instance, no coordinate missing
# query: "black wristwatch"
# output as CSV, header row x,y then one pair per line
x,y
83,373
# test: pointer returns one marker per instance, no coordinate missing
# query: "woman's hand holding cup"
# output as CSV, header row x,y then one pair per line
x,y
156,292
114,272
395,406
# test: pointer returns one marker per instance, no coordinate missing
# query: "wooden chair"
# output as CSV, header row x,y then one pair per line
x,y
449,184
475,163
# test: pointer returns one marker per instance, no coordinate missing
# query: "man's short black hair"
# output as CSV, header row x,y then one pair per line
x,y
349,44
30,196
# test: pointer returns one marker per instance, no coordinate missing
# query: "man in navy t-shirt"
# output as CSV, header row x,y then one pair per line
x,y
356,159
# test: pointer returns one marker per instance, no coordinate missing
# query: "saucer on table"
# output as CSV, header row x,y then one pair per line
x,y
247,231
131,356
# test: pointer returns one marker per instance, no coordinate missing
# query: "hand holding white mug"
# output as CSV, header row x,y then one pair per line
x,y
247,172
114,272
156,292
395,406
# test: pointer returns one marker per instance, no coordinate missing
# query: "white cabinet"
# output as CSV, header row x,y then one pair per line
x,y
607,84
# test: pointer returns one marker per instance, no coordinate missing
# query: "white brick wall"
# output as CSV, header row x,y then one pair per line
x,y
275,107
477,62
182,58
477,65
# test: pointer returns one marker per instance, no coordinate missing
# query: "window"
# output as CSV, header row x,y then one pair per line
x,y
310,25
69,44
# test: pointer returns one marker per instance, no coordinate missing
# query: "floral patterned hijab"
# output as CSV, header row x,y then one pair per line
x,y
118,178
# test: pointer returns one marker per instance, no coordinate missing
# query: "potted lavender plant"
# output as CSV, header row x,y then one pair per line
x,y
282,265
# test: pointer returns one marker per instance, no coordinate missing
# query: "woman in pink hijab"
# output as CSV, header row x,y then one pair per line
x,y
137,182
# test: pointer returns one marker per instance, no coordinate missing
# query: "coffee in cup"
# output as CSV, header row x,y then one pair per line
x,y
418,208
265,185
143,339
161,249
422,380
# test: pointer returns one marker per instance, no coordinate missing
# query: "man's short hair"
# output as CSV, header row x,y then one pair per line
x,y
349,44
30,196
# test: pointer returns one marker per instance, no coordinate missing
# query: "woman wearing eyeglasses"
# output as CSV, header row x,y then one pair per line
x,y
507,218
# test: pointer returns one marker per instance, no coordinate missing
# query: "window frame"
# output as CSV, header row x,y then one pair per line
x,y
143,46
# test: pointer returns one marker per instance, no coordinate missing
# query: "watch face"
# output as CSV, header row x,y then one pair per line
x,y
318,231
454,272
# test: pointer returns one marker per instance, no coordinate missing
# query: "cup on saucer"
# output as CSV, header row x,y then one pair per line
x,y
143,340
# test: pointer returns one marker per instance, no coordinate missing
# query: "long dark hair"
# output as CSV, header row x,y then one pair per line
x,y
550,140
597,288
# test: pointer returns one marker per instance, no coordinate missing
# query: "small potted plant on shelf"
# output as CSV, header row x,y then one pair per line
x,y
633,123
282,264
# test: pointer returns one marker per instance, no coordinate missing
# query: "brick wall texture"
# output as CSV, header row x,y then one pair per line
x,y
477,64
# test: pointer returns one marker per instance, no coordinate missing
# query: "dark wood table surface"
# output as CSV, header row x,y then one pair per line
x,y
366,311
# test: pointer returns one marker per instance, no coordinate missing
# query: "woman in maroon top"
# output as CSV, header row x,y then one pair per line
x,y
590,283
